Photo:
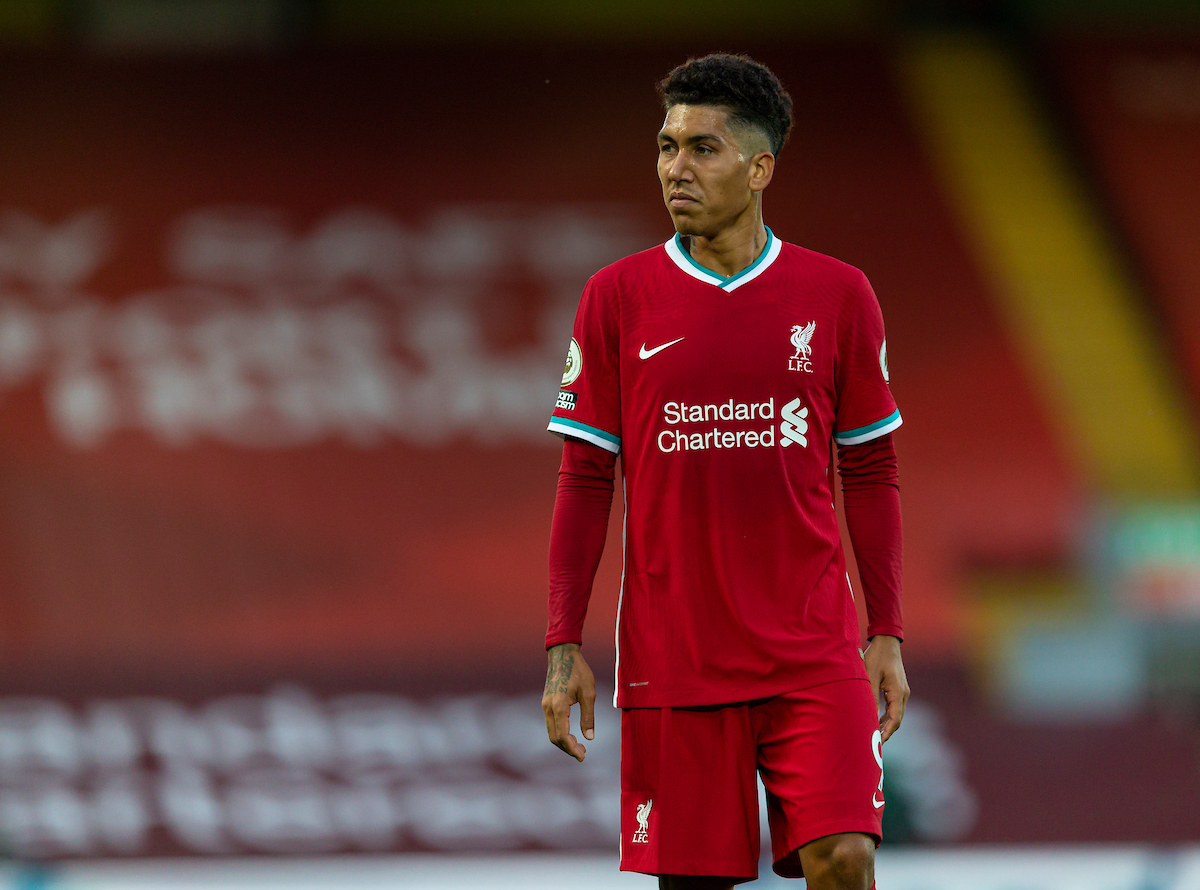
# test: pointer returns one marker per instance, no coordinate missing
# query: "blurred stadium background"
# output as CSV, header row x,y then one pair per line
x,y
285,289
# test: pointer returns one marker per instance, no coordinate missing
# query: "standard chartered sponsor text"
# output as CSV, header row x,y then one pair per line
x,y
682,439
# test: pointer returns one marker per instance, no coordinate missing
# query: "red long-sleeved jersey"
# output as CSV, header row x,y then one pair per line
x,y
723,397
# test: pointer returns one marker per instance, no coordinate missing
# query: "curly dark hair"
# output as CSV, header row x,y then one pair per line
x,y
753,95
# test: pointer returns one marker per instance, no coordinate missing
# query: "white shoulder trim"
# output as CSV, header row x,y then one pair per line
x,y
564,428
870,431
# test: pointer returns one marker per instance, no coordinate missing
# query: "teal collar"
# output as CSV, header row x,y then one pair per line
x,y
680,256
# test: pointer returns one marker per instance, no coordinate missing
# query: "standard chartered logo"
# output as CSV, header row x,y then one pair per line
x,y
684,432
793,426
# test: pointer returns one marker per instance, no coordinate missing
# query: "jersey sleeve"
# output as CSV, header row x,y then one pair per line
x,y
865,407
589,402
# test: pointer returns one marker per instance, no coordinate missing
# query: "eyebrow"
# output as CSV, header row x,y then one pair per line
x,y
692,140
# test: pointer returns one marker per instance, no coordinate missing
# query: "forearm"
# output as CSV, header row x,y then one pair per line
x,y
581,508
871,497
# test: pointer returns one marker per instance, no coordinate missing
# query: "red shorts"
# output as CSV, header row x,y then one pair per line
x,y
689,797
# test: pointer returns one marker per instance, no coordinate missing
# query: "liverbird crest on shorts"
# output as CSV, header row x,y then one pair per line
x,y
642,835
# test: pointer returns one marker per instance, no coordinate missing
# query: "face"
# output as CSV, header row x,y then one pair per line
x,y
710,172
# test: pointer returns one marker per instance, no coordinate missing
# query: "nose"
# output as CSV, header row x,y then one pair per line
x,y
680,169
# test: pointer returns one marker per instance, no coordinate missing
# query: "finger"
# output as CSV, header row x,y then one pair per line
x,y
888,727
556,719
887,724
574,748
562,722
564,739
875,676
553,711
587,713
562,733
877,684
893,715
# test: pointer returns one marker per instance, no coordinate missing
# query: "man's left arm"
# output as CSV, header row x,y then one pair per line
x,y
871,497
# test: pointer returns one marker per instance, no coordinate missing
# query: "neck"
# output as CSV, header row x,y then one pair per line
x,y
731,250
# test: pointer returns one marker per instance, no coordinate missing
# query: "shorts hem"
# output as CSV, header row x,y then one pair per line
x,y
738,873
809,833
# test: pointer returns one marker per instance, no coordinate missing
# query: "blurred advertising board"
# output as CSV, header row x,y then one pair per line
x,y
1153,561
291,772
279,336
986,868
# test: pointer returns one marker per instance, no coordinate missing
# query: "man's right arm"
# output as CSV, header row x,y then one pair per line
x,y
581,509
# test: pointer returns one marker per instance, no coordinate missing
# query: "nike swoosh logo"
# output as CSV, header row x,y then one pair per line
x,y
876,803
646,353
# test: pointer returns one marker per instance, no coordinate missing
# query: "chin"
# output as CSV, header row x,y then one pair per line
x,y
686,225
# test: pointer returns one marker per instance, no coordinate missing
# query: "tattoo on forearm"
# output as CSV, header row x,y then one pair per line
x,y
558,673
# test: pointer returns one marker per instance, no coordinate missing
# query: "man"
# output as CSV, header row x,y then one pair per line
x,y
723,367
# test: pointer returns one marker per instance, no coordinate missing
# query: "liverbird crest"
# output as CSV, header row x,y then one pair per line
x,y
642,835
643,813
802,337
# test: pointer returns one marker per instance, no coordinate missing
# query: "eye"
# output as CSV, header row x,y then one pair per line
x,y
703,150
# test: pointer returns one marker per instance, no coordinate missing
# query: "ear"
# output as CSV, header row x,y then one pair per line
x,y
762,168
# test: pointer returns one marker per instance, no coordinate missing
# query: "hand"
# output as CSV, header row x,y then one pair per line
x,y
885,669
569,680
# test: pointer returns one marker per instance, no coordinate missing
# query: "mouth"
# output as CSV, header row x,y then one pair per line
x,y
681,199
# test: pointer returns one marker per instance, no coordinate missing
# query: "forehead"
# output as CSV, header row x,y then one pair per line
x,y
683,121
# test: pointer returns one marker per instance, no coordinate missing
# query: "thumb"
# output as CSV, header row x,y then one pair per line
x,y
587,714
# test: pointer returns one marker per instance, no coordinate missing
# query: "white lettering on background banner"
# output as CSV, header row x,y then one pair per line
x,y
361,329
287,772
